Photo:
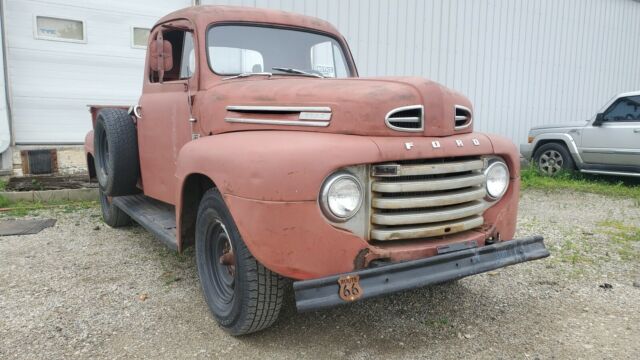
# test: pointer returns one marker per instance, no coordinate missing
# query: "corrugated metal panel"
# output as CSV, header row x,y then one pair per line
x,y
53,81
4,117
522,63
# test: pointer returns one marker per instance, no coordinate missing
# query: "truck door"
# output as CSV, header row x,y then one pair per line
x,y
617,140
164,127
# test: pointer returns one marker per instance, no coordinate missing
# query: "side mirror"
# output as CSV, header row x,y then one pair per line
x,y
160,56
599,119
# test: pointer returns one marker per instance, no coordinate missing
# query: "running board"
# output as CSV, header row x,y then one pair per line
x,y
615,173
157,217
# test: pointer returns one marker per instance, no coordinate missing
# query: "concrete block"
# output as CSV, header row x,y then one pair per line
x,y
83,194
51,195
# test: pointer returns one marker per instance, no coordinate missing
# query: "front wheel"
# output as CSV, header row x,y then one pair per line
x,y
552,158
242,294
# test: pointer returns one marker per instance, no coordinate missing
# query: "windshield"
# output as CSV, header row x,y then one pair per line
x,y
239,49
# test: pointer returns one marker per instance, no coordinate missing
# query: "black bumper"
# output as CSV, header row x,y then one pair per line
x,y
323,293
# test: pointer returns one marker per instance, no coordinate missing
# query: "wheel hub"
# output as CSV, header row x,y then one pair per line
x,y
551,162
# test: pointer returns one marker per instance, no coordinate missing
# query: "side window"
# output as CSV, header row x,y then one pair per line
x,y
624,109
182,56
188,57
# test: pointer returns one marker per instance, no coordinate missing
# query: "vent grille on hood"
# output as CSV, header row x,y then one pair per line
x,y
406,118
463,117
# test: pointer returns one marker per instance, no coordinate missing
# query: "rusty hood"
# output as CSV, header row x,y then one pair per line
x,y
347,106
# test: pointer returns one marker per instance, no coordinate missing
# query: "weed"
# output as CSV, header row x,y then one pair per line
x,y
437,322
624,236
4,202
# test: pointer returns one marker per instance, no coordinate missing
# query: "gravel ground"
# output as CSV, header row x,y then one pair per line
x,y
84,290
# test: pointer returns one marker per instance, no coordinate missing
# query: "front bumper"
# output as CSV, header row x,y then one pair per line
x,y
323,292
526,150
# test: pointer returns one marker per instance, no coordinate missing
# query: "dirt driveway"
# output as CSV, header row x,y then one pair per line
x,y
83,290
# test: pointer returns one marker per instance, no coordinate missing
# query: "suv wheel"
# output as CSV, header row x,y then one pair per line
x,y
242,294
552,158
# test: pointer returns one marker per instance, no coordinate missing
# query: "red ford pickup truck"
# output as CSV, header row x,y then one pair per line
x,y
256,141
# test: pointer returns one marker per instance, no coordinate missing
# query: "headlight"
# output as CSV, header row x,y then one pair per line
x,y
341,197
497,179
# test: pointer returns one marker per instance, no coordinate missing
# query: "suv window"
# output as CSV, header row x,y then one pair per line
x,y
624,109
183,54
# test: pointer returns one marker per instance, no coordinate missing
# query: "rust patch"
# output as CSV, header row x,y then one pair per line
x,y
350,289
360,261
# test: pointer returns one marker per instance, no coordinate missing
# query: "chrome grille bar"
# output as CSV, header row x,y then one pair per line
x,y
426,231
441,199
454,182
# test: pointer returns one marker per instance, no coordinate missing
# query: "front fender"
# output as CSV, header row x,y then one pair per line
x,y
565,138
272,165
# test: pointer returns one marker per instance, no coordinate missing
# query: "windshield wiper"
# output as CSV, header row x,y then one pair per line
x,y
297,71
247,74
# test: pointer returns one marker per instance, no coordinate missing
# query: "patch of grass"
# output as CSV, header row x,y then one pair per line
x,y
24,208
437,322
3,184
530,178
4,202
574,253
627,237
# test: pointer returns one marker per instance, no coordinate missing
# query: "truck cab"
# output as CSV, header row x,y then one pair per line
x,y
256,141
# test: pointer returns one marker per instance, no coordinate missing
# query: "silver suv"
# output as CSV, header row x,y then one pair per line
x,y
609,143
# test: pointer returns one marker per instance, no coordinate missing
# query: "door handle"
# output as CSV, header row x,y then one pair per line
x,y
637,131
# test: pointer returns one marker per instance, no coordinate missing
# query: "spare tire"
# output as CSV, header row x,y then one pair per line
x,y
115,144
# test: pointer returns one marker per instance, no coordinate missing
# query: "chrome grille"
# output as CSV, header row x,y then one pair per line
x,y
429,198
406,118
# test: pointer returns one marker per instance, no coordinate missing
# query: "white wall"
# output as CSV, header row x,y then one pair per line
x,y
522,63
53,81
5,137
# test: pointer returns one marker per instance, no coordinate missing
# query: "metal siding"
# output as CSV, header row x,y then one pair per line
x,y
4,118
53,81
522,63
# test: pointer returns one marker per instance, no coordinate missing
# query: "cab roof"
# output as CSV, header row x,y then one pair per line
x,y
203,15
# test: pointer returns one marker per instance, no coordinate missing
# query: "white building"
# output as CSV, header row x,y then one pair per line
x,y
522,63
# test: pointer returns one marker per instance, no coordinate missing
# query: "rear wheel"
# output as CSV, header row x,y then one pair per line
x,y
242,294
111,214
553,158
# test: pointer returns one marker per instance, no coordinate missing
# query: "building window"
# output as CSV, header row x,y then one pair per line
x,y
50,28
139,37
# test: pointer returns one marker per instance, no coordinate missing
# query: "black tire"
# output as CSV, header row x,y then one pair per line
x,y
111,214
244,297
553,158
115,143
